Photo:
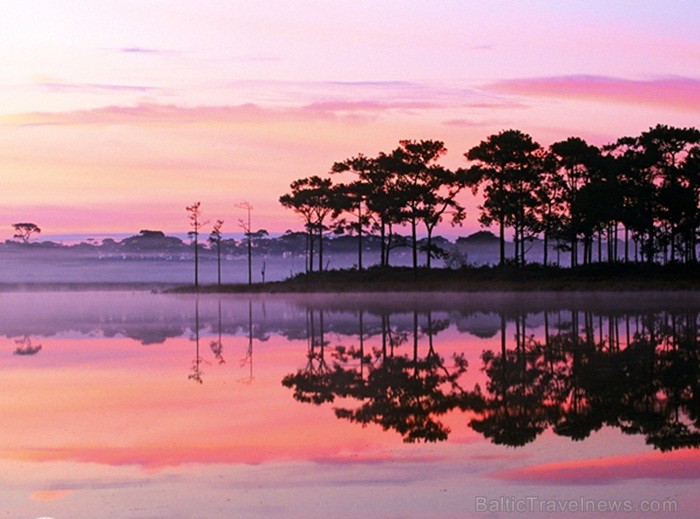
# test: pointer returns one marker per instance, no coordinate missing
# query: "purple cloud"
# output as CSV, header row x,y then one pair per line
x,y
679,93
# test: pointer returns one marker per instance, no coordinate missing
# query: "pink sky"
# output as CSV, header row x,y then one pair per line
x,y
114,118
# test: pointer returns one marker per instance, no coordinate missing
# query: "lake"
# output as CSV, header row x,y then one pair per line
x,y
142,405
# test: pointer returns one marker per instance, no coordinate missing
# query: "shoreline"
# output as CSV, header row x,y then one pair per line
x,y
607,278
618,278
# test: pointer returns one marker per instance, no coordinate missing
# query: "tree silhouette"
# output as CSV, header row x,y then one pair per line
x,y
503,165
571,193
353,196
315,199
690,177
215,239
24,231
440,199
194,214
247,230
657,177
574,160
418,181
385,203
549,205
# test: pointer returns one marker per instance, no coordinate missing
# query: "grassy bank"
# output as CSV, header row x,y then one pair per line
x,y
598,277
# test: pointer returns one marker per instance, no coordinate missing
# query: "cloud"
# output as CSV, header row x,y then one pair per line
x,y
385,95
490,46
673,465
275,101
254,59
678,93
157,113
368,106
154,458
138,50
148,113
380,84
466,123
144,50
50,495
56,86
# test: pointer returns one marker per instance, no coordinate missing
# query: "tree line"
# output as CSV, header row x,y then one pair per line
x,y
638,195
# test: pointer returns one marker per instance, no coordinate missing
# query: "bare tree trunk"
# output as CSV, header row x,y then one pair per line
x,y
673,243
359,237
218,263
250,259
429,252
414,244
545,236
502,241
382,250
310,239
196,262
320,247
389,239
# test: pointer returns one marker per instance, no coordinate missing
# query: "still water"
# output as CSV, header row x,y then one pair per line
x,y
140,405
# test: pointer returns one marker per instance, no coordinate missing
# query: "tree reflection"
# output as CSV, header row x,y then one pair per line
x,y
197,373
25,347
247,360
572,372
576,384
217,346
315,382
515,410
405,393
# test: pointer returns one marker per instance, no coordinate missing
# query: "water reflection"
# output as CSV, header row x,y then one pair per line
x,y
25,346
217,345
569,365
404,392
109,410
247,360
196,374
637,372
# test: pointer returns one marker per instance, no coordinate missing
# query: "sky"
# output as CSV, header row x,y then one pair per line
x,y
116,115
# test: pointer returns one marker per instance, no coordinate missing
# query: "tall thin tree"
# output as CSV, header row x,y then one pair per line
x,y
194,214
215,239
247,230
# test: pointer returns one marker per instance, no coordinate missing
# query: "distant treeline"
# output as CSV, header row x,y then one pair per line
x,y
637,197
156,244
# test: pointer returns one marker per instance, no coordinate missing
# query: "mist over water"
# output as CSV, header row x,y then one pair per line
x,y
63,265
